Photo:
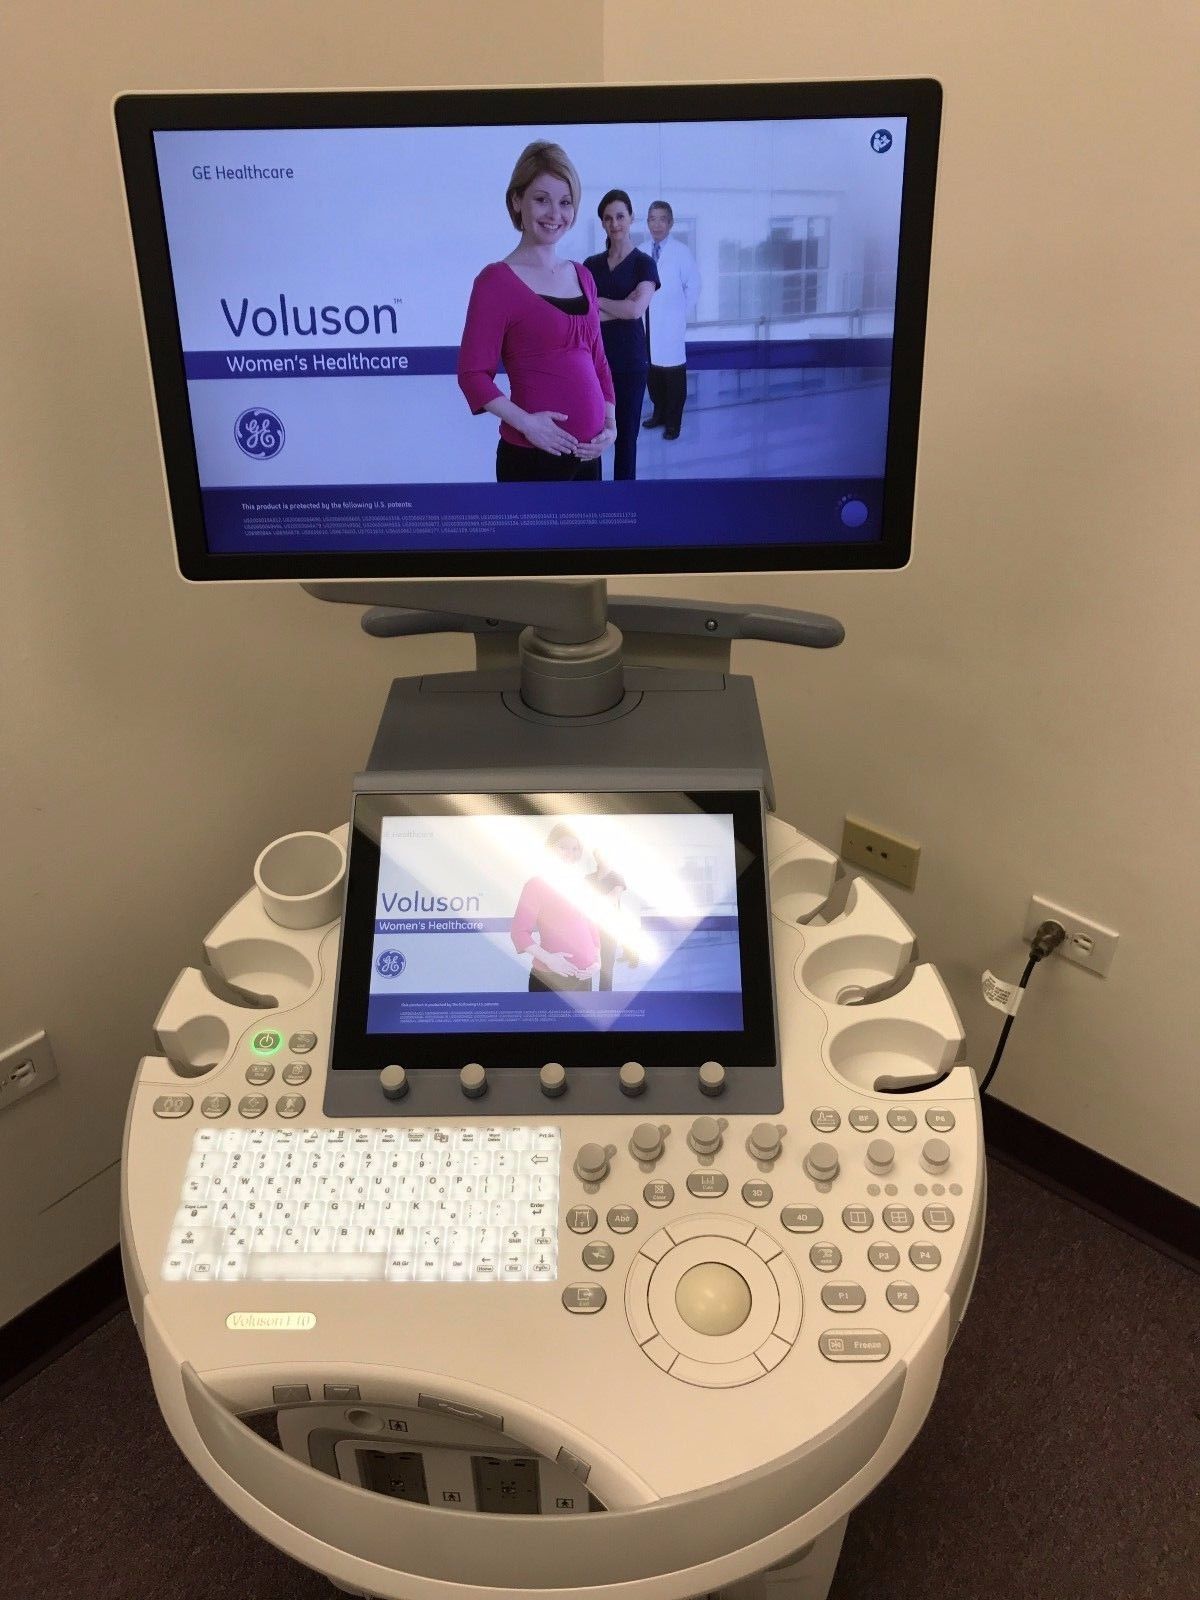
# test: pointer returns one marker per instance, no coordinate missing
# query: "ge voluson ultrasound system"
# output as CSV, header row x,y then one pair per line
x,y
558,1178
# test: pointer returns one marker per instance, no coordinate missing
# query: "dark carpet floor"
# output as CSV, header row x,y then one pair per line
x,y
1061,1460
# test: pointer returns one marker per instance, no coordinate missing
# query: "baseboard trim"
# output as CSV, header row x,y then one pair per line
x,y
48,1328
1123,1197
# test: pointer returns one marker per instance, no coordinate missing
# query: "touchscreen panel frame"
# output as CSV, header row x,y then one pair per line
x,y
917,100
749,1054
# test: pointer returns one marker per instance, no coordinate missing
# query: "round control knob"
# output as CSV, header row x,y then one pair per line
x,y
712,1078
712,1298
591,1164
821,1163
646,1143
553,1079
704,1136
880,1155
393,1081
632,1077
935,1155
764,1143
474,1080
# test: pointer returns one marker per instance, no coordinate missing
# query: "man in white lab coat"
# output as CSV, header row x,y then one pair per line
x,y
666,318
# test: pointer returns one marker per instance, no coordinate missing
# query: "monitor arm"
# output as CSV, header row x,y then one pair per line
x,y
568,635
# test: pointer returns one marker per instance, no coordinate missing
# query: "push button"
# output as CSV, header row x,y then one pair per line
x,y
940,1121
858,1219
259,1072
584,1298
862,1344
597,1257
252,1105
582,1219
658,1195
173,1105
843,1297
622,1219
902,1121
939,1218
802,1219
707,1185
301,1043
757,1194
863,1120
825,1119
825,1257
296,1073
925,1256
902,1297
214,1105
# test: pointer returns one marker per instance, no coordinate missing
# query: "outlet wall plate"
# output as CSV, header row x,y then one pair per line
x,y
887,854
1088,943
25,1068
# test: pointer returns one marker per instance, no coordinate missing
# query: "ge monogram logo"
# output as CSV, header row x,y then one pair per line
x,y
259,433
390,964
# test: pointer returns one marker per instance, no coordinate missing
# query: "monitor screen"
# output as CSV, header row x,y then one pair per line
x,y
517,929
538,331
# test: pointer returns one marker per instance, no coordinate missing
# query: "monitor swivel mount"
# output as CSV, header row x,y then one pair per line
x,y
572,642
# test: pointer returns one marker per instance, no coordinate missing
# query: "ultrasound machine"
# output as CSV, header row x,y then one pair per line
x,y
558,1178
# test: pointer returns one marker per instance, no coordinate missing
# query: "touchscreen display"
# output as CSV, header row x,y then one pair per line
x,y
556,922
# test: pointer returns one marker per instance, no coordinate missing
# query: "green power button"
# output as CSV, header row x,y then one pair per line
x,y
266,1043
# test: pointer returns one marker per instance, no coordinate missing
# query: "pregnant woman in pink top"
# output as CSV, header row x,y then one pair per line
x,y
537,316
550,923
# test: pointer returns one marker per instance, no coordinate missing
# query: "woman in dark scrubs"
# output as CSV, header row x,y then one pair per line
x,y
626,279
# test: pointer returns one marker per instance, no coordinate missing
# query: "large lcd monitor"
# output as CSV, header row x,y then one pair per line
x,y
536,331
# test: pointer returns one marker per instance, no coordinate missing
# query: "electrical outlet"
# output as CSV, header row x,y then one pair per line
x,y
1089,944
26,1068
885,853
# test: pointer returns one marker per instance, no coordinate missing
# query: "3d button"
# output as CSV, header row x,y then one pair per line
x,y
704,1136
301,1043
939,1120
765,1141
173,1105
632,1077
584,1297
591,1164
821,1163
860,1344
473,1080
393,1080
214,1105
260,1072
757,1194
802,1219
296,1073
902,1121
712,1298
712,1078
825,1119
825,1257
552,1079
646,1142
658,1195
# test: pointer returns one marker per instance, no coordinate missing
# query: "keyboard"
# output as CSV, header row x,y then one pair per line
x,y
392,1205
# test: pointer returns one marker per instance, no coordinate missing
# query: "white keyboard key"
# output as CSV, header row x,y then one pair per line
x,y
377,1240
502,1213
400,1266
494,1139
292,1241
176,1266
547,1138
193,1239
512,1267
231,1268
196,1190
456,1267
348,1241
474,1214
519,1138
203,1268
485,1267
315,1269
428,1268
543,1269
532,1212
479,1163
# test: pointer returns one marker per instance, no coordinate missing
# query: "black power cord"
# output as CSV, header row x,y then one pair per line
x,y
1045,941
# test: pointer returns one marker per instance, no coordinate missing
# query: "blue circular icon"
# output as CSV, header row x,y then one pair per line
x,y
881,141
854,513
390,963
259,433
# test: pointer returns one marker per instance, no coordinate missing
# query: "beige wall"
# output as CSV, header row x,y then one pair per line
x,y
1020,699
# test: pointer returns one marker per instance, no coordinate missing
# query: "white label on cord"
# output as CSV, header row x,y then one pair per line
x,y
1004,996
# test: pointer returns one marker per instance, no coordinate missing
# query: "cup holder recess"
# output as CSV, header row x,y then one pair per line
x,y
847,971
800,886
264,970
195,1047
897,1047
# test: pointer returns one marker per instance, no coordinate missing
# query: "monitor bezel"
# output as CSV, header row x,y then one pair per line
x,y
754,1046
140,116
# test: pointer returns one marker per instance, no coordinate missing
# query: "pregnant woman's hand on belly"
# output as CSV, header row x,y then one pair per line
x,y
597,446
542,430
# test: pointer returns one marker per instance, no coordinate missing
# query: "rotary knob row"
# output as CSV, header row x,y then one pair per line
x,y
552,1079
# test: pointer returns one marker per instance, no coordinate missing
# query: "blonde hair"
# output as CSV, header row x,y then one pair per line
x,y
541,158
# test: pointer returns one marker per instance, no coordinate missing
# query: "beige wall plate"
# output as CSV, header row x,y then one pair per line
x,y
887,854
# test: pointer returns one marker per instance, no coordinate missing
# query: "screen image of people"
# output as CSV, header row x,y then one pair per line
x,y
514,923
384,329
